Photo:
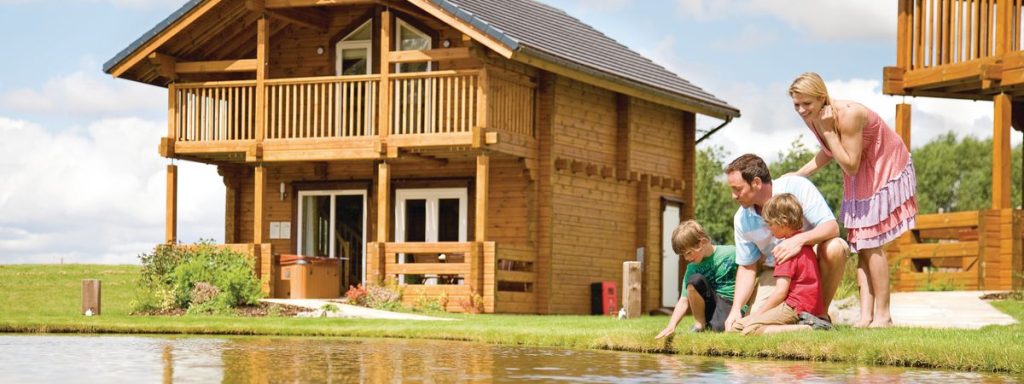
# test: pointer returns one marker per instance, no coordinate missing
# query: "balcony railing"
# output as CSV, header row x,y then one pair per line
x,y
943,32
443,107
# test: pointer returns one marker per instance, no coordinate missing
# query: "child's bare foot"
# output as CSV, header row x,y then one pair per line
x,y
882,323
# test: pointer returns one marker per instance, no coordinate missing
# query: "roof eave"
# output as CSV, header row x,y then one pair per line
x,y
531,56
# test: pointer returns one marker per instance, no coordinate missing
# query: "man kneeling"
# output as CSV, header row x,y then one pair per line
x,y
710,279
795,304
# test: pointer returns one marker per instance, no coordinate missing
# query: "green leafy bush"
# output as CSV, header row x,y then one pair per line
x,y
202,278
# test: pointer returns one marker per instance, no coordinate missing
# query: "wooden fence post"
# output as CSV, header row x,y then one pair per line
x,y
631,288
90,297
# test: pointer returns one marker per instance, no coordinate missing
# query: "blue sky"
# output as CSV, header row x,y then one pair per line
x,y
81,181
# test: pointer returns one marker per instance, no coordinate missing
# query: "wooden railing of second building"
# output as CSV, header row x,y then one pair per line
x,y
970,250
426,108
932,33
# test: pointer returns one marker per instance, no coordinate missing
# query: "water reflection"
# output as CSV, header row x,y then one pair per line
x,y
87,359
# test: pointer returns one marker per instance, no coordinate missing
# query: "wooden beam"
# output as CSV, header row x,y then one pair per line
x,y
903,123
482,117
172,204
442,54
892,80
383,202
469,30
164,65
262,54
243,65
689,175
162,38
1001,170
483,170
260,179
952,74
636,90
384,94
305,17
624,135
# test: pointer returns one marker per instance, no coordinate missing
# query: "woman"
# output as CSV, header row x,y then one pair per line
x,y
879,184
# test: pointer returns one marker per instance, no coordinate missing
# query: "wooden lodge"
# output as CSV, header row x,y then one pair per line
x,y
964,49
457,147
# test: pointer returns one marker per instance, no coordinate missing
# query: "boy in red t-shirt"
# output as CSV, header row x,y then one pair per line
x,y
795,304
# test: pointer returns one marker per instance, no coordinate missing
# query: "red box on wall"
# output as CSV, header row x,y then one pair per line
x,y
604,298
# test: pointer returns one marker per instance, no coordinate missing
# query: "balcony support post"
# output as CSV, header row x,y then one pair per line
x,y
262,44
260,179
1001,170
903,123
476,274
383,202
384,117
172,204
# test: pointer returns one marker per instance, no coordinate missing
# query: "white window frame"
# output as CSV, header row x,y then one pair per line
x,y
432,196
344,44
333,194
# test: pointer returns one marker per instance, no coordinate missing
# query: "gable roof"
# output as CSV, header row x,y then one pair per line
x,y
539,35
549,33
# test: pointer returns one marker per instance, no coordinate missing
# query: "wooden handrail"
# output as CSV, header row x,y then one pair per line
x,y
440,247
932,33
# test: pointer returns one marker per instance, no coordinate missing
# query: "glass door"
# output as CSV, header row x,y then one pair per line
x,y
332,225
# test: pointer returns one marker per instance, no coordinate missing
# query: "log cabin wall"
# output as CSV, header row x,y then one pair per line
x,y
598,219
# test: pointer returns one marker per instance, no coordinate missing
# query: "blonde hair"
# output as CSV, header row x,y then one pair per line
x,y
687,236
810,84
783,210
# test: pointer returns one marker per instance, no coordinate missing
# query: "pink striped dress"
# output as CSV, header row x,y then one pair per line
x,y
878,203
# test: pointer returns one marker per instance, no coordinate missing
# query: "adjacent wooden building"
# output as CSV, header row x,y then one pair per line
x,y
502,149
963,49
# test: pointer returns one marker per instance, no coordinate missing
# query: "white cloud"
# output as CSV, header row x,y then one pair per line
x,y
95,194
751,37
84,94
136,4
820,19
602,5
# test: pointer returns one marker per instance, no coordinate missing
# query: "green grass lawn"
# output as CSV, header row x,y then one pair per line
x,y
47,298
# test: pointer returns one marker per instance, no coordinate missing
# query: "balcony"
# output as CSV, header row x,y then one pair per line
x,y
970,49
344,117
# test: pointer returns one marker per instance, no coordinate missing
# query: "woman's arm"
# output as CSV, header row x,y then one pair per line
x,y
845,137
820,160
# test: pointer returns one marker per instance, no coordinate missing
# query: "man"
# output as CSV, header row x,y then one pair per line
x,y
752,186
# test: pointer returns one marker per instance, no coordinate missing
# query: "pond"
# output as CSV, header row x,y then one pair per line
x,y
148,359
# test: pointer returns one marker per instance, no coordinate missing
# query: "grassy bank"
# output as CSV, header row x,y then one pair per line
x,y
46,298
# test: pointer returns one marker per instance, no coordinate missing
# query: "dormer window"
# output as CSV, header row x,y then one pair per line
x,y
411,39
354,52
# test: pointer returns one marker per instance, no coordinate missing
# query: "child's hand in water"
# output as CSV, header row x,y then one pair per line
x,y
666,333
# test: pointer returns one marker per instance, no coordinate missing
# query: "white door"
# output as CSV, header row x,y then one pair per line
x,y
670,284
429,216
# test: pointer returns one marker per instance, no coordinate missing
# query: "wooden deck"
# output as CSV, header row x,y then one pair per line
x,y
340,118
966,49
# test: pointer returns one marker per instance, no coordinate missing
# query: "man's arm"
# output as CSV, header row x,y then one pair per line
x,y
746,278
791,247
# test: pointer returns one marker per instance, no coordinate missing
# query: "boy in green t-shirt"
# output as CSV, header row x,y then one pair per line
x,y
710,279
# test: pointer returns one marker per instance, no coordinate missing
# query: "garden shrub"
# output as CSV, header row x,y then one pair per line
x,y
386,296
202,278
431,304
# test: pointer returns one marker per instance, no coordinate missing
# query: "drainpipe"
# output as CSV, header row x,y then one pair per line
x,y
712,132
